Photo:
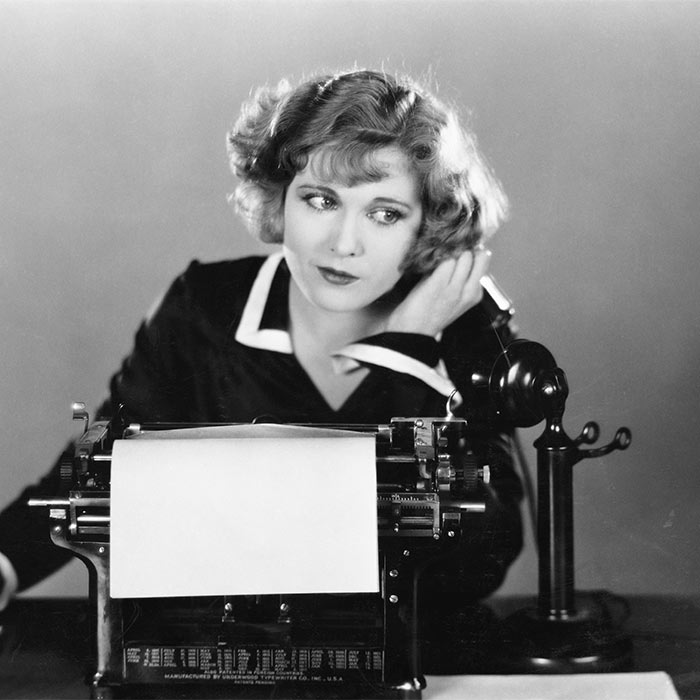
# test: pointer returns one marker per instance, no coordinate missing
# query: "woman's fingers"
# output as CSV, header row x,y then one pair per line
x,y
462,268
467,272
450,290
442,275
472,288
457,280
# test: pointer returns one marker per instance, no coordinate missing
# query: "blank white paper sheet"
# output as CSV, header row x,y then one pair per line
x,y
223,514
583,686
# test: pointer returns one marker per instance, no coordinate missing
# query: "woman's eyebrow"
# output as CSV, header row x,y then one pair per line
x,y
392,200
315,186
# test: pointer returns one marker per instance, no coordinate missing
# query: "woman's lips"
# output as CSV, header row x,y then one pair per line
x,y
338,277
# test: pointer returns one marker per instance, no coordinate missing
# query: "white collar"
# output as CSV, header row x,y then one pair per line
x,y
347,359
249,331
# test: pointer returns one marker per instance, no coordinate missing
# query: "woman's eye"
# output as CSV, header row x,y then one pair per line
x,y
320,202
385,217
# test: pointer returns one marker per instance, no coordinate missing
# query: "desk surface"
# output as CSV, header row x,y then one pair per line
x,y
44,645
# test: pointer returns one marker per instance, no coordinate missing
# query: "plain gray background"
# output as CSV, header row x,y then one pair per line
x,y
113,175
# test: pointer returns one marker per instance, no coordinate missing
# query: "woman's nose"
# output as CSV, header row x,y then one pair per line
x,y
345,237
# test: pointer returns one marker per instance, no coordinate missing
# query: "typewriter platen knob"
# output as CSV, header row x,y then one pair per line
x,y
485,474
66,473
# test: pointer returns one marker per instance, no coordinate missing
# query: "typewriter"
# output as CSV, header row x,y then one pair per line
x,y
428,487
357,645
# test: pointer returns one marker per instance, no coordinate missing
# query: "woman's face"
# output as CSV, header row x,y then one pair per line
x,y
344,244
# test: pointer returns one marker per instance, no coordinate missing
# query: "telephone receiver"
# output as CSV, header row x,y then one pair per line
x,y
496,302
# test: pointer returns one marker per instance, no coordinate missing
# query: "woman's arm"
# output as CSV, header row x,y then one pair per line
x,y
24,535
27,554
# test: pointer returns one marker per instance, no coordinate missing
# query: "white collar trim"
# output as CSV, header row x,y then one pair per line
x,y
249,332
354,355
347,359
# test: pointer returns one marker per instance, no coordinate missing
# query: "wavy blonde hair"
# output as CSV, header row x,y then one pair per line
x,y
348,117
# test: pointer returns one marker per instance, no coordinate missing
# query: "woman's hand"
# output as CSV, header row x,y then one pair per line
x,y
442,296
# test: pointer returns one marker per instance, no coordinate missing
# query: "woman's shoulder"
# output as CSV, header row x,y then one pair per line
x,y
212,288
229,274
211,280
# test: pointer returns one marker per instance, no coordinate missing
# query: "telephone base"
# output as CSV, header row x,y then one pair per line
x,y
588,641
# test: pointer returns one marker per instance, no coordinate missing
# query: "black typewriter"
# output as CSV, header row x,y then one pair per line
x,y
428,486
355,645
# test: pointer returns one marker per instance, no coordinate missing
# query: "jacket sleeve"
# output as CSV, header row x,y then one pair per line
x,y
24,533
154,381
489,541
145,385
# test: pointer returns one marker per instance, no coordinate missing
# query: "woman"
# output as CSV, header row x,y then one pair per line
x,y
371,309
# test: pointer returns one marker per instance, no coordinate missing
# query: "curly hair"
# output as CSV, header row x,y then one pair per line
x,y
348,117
